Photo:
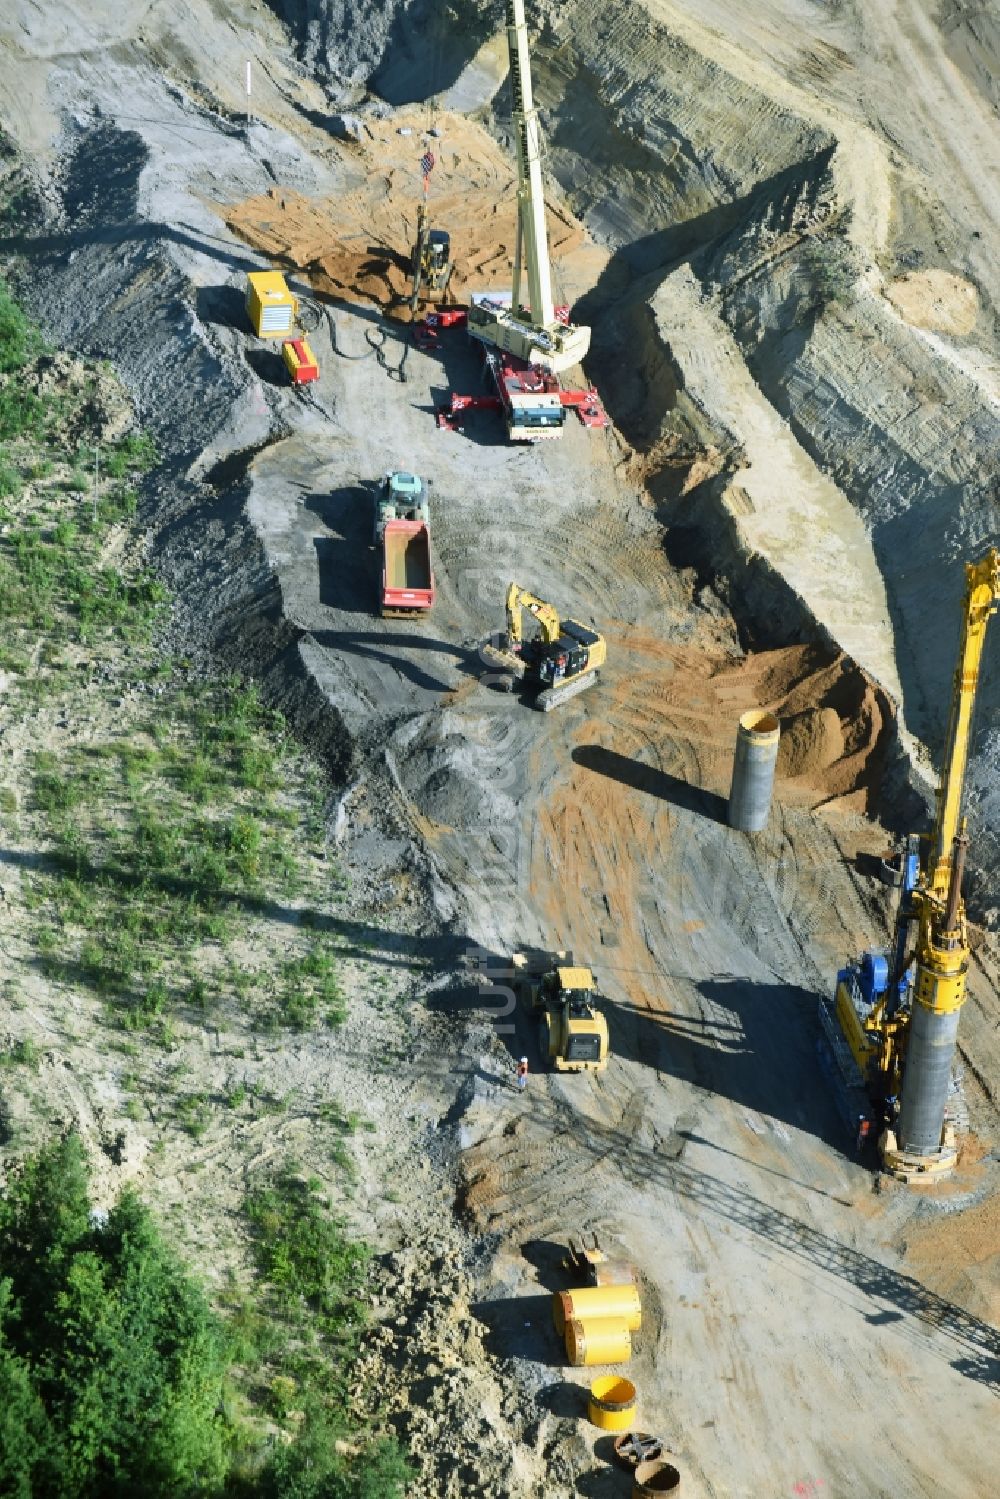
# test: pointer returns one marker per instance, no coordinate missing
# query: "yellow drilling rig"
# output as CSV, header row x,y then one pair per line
x,y
888,1035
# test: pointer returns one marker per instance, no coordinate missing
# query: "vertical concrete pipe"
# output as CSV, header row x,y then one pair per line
x,y
940,992
926,1080
590,1302
753,771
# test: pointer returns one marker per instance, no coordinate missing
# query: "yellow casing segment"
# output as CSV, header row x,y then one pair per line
x,y
271,307
602,1340
612,1403
940,970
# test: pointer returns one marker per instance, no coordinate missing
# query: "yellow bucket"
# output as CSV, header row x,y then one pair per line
x,y
612,1403
598,1301
605,1340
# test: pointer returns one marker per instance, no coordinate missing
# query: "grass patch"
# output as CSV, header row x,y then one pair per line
x,y
313,1274
24,1053
162,852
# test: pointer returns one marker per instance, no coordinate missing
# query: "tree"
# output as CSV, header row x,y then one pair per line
x,y
111,1359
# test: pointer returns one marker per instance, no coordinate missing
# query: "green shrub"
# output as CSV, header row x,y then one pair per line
x,y
312,1468
19,340
305,1253
10,479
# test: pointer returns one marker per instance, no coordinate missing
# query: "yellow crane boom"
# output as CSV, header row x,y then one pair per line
x,y
982,595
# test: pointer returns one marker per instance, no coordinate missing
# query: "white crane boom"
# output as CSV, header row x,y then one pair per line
x,y
531,333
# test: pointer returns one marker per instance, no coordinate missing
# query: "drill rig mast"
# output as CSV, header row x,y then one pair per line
x,y
530,331
922,1143
891,1028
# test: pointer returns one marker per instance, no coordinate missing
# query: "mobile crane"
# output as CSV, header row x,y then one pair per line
x,y
890,1031
560,661
530,332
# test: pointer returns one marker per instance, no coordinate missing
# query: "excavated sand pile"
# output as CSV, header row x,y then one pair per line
x,y
356,248
810,742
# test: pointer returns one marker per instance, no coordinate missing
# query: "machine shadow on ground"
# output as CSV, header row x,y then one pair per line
x,y
650,779
224,306
754,1043
975,1343
268,366
761,1056
521,1327
391,649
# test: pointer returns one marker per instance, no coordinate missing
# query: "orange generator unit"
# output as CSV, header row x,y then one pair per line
x,y
299,361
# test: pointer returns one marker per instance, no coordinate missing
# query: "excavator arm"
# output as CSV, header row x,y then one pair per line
x,y
981,598
519,599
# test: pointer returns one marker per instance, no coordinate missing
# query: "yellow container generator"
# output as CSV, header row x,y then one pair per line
x,y
300,361
271,307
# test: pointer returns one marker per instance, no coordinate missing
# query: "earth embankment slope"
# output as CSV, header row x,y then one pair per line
x,y
843,244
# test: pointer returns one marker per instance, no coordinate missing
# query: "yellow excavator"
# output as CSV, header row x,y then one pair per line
x,y
561,660
432,264
890,1031
572,1031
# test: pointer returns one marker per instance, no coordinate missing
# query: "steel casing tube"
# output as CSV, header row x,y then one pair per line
x,y
753,771
926,1076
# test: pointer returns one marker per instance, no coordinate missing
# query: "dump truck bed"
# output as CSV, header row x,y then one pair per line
x,y
407,576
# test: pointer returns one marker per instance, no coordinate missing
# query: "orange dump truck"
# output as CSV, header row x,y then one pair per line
x,y
407,577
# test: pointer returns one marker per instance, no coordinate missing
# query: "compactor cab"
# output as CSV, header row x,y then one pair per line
x,y
401,496
572,1031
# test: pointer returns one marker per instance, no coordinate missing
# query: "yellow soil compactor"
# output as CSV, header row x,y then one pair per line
x,y
572,1031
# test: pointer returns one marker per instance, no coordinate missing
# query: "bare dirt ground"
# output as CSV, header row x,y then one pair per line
x,y
802,456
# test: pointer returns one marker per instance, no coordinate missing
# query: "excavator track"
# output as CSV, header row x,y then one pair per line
x,y
554,697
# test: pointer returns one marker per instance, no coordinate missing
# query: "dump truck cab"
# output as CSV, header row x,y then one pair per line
x,y
572,1031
